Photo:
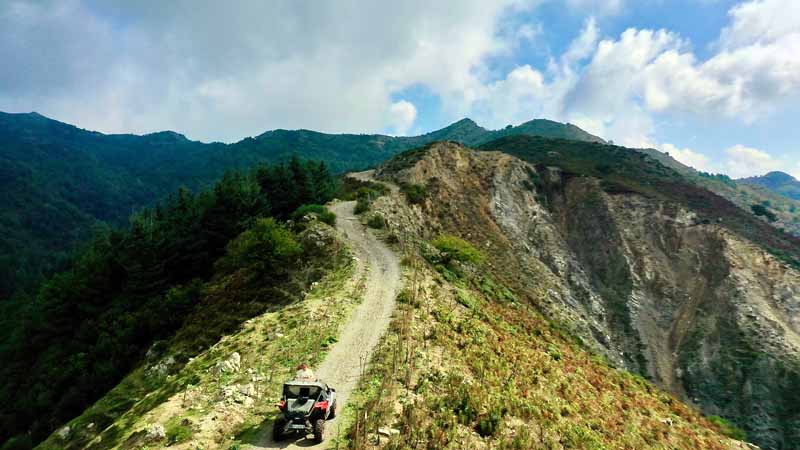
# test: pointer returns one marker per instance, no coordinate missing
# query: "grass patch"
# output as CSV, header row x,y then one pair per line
x,y
503,377
376,221
178,430
728,429
452,248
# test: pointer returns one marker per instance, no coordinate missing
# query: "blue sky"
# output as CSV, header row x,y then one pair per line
x,y
714,82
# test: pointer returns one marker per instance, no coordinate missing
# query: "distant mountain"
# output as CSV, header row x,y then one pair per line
x,y
779,182
58,181
747,192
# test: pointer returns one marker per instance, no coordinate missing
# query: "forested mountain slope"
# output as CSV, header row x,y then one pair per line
x,y
774,204
186,271
59,181
779,182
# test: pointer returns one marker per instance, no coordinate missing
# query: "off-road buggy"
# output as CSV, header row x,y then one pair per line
x,y
305,406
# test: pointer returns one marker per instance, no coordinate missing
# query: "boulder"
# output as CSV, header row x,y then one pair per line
x,y
64,432
155,432
231,365
248,389
162,367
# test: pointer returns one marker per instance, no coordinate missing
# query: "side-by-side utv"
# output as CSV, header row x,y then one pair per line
x,y
305,406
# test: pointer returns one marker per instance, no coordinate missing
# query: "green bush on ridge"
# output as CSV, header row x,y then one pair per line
x,y
452,248
415,193
321,212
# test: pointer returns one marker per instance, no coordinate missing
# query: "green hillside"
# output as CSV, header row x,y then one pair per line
x,y
60,181
130,288
772,191
779,182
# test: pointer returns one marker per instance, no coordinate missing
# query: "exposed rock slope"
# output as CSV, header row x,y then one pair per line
x,y
702,311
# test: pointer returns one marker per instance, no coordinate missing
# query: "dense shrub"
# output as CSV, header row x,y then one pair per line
x,y
318,210
761,210
453,248
352,189
268,247
376,221
18,443
415,193
362,205
489,423
364,194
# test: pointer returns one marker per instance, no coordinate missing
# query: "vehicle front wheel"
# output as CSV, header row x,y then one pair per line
x,y
319,430
277,429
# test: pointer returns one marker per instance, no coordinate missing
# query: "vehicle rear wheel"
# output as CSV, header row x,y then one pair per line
x,y
319,430
277,429
332,414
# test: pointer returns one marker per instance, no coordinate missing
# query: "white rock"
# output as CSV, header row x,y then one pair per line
x,y
248,390
63,433
162,367
155,432
230,365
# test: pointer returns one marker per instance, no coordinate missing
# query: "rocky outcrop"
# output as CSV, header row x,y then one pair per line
x,y
656,288
231,365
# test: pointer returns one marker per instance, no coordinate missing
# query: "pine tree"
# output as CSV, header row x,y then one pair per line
x,y
323,182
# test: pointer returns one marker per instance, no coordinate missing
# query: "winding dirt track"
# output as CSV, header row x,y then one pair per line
x,y
343,364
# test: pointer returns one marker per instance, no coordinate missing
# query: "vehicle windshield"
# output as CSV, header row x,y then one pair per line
x,y
297,391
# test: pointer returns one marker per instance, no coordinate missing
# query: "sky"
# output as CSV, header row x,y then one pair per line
x,y
715,83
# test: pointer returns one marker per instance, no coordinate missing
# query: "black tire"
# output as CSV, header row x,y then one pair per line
x,y
277,429
319,430
332,414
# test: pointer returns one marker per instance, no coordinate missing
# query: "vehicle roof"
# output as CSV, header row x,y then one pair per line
x,y
305,383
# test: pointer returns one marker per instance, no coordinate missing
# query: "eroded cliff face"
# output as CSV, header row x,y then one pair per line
x,y
657,289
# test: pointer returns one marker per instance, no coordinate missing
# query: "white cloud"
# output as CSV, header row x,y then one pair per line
x,y
215,72
761,21
529,32
218,72
747,162
403,113
643,74
795,171
597,7
689,157
525,93
583,46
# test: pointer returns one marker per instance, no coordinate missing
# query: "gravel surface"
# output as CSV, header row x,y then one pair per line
x,y
348,357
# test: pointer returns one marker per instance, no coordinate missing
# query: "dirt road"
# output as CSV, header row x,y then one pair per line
x,y
343,364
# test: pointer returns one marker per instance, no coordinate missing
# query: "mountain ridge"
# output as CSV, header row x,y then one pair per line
x,y
662,277
62,180
776,181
